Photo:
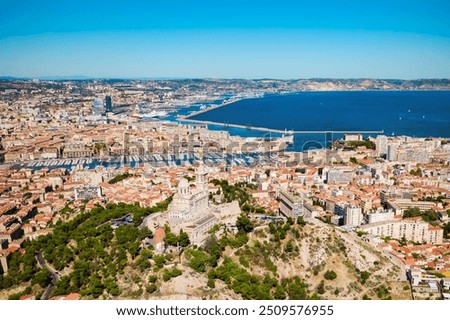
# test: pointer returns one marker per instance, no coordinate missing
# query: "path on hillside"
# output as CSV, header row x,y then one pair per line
x,y
54,274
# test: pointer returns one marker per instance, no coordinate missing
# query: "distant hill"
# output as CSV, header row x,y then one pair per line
x,y
10,78
60,78
312,84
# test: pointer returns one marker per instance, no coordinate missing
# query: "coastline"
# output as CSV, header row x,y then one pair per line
x,y
241,125
196,113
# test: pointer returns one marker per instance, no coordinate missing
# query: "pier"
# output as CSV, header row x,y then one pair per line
x,y
196,113
289,132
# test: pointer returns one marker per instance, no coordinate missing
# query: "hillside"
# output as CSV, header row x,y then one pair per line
x,y
306,252
283,260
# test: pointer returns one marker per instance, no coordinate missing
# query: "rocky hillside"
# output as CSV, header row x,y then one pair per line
x,y
286,261
279,260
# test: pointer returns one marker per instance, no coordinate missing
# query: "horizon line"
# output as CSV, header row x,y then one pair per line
x,y
83,77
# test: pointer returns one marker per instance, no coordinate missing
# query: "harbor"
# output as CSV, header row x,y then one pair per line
x,y
284,132
212,107
152,160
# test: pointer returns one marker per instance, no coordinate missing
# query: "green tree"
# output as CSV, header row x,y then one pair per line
x,y
183,239
244,224
211,283
301,221
289,246
175,272
160,260
171,239
119,178
198,260
330,275
112,287
296,289
417,172
412,212
447,230
151,288
96,287
403,242
280,293
364,275
430,216
42,278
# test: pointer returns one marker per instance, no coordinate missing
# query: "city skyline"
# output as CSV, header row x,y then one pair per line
x,y
406,40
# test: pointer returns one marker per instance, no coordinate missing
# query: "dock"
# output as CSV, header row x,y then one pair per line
x,y
286,132
196,113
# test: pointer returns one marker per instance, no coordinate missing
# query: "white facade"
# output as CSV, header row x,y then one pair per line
x,y
381,145
189,210
411,229
353,216
381,215
291,205
190,203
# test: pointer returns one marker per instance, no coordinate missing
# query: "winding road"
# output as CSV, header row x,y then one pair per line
x,y
54,274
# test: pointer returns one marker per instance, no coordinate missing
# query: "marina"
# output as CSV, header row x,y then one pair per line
x,y
156,160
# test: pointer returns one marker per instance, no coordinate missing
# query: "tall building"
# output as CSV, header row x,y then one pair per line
x,y
381,145
353,216
392,152
290,205
108,104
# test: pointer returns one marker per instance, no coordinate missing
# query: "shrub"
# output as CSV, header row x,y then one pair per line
x,y
364,275
211,283
330,275
321,287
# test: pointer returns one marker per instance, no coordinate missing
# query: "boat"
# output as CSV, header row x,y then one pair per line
x,y
153,114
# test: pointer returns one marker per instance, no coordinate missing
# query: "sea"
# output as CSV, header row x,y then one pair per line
x,y
395,113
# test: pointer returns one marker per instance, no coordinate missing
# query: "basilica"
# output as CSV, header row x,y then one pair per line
x,y
189,210
190,202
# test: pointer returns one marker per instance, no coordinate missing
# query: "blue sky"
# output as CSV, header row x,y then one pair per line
x,y
231,39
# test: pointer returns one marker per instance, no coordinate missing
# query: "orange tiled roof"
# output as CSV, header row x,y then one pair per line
x,y
159,236
73,296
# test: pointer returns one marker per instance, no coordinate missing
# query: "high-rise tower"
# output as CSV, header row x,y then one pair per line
x,y
108,104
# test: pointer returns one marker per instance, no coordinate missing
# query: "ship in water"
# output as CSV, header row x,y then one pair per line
x,y
144,110
152,114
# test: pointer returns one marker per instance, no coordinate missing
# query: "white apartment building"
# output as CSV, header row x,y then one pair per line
x,y
353,216
399,205
291,205
379,216
381,145
412,229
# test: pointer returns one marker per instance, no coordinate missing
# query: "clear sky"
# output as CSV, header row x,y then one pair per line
x,y
226,39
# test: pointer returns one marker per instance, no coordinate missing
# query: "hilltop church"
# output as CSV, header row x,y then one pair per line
x,y
190,210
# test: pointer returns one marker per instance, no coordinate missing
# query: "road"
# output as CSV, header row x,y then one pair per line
x,y
54,274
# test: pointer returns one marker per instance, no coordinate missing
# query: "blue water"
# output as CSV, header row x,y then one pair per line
x,y
412,113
